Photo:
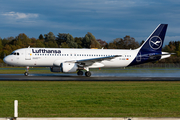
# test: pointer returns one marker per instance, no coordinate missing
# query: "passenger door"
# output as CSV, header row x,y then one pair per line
x,y
28,54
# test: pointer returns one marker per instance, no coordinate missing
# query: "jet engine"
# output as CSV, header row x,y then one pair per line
x,y
65,67
69,67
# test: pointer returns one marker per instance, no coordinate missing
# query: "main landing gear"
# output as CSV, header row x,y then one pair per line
x,y
87,73
27,73
80,73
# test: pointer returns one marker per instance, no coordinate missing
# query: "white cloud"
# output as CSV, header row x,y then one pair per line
x,y
17,15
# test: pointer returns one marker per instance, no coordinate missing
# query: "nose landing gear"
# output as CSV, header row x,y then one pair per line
x,y
27,73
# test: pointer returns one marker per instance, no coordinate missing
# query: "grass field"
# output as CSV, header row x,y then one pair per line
x,y
90,99
21,70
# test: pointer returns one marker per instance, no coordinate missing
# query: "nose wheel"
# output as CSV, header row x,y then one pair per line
x,y
27,73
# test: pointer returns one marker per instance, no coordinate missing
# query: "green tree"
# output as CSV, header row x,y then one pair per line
x,y
50,40
51,44
95,44
40,43
1,45
26,41
130,43
103,44
117,43
49,37
64,45
78,40
7,49
89,41
66,40
70,41
126,43
41,37
61,38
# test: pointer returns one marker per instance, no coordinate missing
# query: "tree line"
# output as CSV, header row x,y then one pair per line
x,y
64,40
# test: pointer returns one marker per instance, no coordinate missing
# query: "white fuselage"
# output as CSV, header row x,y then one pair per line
x,y
48,57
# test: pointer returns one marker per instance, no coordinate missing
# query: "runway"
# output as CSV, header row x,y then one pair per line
x,y
74,77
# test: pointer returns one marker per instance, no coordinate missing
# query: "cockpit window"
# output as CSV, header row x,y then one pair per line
x,y
14,53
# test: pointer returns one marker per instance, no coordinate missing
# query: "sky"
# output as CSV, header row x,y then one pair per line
x,y
105,19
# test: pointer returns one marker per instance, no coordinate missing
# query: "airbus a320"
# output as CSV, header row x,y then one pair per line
x,y
72,60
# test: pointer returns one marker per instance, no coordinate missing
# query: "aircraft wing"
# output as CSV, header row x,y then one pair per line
x,y
87,62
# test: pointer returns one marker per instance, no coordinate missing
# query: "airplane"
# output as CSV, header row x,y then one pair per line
x,y
68,60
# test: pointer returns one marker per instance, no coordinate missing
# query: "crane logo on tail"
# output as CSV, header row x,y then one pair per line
x,y
155,42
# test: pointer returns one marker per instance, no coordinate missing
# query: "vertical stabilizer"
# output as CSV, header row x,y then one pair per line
x,y
150,50
155,41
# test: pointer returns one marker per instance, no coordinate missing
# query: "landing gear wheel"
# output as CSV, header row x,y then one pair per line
x,y
80,73
26,73
88,74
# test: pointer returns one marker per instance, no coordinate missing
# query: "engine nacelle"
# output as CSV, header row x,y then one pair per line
x,y
55,69
69,67
66,67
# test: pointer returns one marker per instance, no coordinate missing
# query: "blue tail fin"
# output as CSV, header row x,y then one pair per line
x,y
155,41
151,49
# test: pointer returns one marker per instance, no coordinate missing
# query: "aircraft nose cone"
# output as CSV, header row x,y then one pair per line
x,y
6,60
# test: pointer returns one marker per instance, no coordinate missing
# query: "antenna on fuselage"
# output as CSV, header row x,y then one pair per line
x,y
28,46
